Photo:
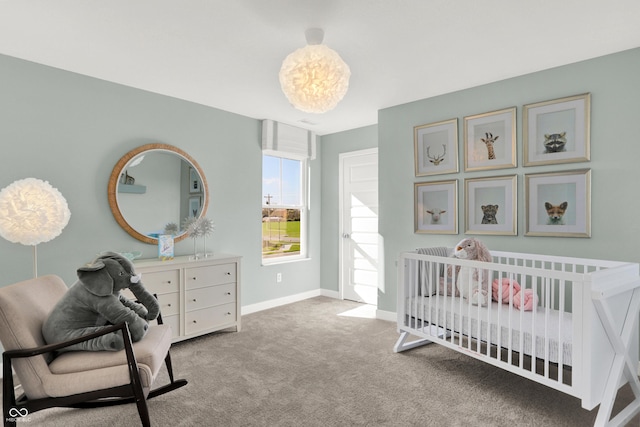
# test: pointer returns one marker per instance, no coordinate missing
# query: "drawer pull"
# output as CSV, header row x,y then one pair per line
x,y
194,278
195,321
194,300
228,293
228,273
169,305
228,313
169,281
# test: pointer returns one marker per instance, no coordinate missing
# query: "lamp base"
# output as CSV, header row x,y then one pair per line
x,y
35,261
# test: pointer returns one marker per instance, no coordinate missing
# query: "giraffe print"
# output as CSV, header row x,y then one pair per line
x,y
489,140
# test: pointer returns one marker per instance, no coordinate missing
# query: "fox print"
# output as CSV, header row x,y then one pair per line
x,y
556,213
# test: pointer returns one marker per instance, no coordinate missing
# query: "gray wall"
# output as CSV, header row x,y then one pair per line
x,y
615,149
71,130
332,146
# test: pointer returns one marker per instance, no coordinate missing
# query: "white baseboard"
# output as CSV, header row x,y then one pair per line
x,y
265,305
254,308
386,315
330,294
273,303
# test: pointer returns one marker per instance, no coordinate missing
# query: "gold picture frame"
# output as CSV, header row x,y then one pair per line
x,y
491,205
436,207
435,148
558,204
557,131
490,140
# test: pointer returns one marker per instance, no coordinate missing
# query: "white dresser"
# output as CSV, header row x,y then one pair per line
x,y
196,296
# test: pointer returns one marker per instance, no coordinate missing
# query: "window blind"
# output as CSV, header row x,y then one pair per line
x,y
279,139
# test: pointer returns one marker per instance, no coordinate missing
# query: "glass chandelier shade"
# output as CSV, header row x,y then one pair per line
x,y
314,78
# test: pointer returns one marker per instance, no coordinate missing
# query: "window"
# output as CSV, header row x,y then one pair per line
x,y
284,208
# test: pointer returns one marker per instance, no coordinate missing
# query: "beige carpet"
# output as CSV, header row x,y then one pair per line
x,y
309,364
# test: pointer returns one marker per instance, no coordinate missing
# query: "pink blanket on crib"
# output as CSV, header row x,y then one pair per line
x,y
523,299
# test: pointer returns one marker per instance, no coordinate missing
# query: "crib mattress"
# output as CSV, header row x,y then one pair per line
x,y
552,329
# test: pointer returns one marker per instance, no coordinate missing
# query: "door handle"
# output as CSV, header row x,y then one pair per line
x,y
346,235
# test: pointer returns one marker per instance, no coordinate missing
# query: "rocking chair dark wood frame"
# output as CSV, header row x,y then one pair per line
x,y
133,392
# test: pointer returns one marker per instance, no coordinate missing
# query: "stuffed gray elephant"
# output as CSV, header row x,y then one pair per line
x,y
95,302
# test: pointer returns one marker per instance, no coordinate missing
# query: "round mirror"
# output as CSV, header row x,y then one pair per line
x,y
154,188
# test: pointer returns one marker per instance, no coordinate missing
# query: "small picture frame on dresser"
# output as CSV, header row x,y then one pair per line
x,y
165,247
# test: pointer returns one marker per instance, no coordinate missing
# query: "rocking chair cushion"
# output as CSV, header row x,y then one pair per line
x,y
81,371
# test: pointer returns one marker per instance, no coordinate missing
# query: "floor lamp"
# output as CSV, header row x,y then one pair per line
x,y
32,212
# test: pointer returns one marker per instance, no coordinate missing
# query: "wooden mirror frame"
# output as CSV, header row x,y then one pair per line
x,y
115,178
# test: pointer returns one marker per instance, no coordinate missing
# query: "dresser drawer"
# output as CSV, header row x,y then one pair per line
x,y
207,318
210,296
169,304
174,322
162,282
212,275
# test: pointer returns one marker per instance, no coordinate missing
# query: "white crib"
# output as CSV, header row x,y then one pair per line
x,y
582,338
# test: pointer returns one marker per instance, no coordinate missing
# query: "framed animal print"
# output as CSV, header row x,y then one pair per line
x,y
558,203
436,207
194,181
490,140
436,148
557,131
491,205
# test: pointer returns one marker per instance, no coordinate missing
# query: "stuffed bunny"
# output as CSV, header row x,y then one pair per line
x,y
472,283
94,302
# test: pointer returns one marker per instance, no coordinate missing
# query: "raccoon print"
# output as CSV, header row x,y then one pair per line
x,y
555,142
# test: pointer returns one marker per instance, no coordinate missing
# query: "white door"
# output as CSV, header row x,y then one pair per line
x,y
359,246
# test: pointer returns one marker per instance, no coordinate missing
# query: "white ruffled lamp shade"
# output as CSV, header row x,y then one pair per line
x,y
314,78
32,212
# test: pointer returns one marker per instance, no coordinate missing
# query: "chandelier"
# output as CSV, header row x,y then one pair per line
x,y
314,78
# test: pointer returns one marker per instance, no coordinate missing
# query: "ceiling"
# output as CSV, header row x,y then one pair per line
x,y
227,53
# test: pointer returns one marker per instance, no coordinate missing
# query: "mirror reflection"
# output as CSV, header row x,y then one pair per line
x,y
156,187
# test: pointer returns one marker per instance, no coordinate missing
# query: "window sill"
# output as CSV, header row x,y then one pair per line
x,y
284,261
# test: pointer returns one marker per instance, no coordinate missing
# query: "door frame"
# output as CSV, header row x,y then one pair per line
x,y
341,159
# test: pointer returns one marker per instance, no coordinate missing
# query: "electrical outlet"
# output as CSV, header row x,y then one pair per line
x,y
278,277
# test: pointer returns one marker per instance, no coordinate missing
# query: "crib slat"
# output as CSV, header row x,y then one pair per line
x,y
549,293
560,334
520,325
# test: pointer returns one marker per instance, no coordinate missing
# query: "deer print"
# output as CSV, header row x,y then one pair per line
x,y
436,160
489,140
